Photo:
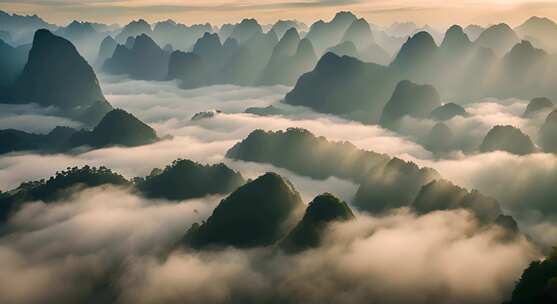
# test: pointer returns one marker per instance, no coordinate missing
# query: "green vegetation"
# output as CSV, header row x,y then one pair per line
x,y
384,182
184,179
443,195
117,128
324,209
58,187
303,153
257,214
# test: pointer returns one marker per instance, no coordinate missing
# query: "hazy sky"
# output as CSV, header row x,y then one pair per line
x,y
433,12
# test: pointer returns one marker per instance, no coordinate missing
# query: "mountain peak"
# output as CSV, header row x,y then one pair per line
x,y
417,49
455,39
524,52
144,43
305,47
57,75
537,105
117,127
208,45
509,139
409,99
359,33
288,44
536,21
324,209
500,38
291,34
256,214
344,16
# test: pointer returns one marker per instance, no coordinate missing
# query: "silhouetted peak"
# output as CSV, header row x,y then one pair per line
x,y
108,40
525,49
207,45
57,75
439,139
409,99
144,43
305,47
245,30
80,26
138,24
359,33
184,179
316,24
117,127
455,38
417,49
357,27
447,112
344,17
327,207
281,26
441,194
328,60
288,45
291,35
500,38
44,36
536,22
250,25
248,22
421,38
258,213
272,179
167,24
538,104
499,28
509,139
213,37
322,210
118,117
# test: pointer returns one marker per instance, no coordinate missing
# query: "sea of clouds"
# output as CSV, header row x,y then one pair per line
x,y
108,244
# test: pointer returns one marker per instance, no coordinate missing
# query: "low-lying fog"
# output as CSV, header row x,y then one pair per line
x,y
99,230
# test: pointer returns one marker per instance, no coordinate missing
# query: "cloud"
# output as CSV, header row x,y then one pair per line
x,y
169,109
106,241
398,258
43,119
469,132
64,251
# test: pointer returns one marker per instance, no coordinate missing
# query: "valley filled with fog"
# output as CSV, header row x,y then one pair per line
x,y
340,162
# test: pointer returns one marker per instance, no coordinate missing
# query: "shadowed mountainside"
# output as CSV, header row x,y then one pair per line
x,y
258,213
57,75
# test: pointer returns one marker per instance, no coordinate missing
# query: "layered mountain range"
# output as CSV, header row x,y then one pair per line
x,y
459,69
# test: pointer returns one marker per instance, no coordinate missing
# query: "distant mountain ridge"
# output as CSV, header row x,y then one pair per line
x,y
459,69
